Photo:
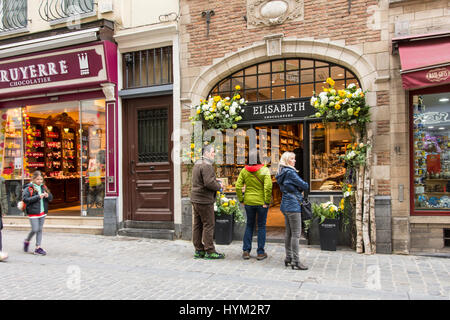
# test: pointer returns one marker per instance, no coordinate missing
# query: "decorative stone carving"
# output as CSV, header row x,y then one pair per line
x,y
273,44
273,12
109,91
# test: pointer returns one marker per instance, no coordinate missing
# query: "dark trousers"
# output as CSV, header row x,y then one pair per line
x,y
203,227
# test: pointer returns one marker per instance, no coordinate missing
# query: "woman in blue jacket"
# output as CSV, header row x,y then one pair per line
x,y
292,187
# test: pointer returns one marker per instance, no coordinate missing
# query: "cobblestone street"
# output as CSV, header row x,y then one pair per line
x,y
88,267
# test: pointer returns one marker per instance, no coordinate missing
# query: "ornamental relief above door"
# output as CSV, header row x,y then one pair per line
x,y
273,12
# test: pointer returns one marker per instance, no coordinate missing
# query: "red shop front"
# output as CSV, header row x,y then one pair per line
x,y
58,111
425,63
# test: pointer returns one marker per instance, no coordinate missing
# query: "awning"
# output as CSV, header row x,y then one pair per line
x,y
425,60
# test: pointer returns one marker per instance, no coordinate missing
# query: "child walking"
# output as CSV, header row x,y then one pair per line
x,y
36,197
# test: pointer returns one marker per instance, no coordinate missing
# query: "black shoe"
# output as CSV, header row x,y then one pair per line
x,y
287,261
298,266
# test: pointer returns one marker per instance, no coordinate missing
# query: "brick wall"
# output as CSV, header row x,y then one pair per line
x,y
228,29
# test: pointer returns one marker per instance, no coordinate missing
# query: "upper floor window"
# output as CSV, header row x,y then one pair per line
x,y
147,68
52,10
284,79
13,15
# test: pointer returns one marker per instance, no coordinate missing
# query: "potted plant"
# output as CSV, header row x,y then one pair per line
x,y
328,215
227,212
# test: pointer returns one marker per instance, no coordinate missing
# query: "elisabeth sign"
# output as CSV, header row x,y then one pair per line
x,y
61,68
273,111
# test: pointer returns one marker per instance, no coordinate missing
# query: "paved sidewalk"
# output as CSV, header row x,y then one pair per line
x,y
97,267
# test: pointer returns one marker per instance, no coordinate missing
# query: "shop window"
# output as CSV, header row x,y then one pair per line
x,y
327,145
261,81
431,152
66,142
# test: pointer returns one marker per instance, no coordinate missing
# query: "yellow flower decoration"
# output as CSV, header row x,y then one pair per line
x,y
238,87
217,98
238,96
337,106
330,81
225,204
198,111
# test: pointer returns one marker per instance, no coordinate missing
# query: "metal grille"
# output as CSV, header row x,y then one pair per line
x,y
148,67
13,15
51,10
153,135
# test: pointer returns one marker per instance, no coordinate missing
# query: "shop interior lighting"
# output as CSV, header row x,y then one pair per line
x,y
441,128
430,127
49,128
66,130
444,99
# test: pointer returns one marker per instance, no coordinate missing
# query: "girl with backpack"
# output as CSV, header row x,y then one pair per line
x,y
256,199
36,196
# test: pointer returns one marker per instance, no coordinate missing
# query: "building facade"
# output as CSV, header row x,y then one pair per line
x,y
280,52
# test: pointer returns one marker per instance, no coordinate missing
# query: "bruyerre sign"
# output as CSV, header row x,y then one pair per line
x,y
277,110
53,69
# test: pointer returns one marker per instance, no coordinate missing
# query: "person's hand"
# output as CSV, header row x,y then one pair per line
x,y
46,194
41,195
265,206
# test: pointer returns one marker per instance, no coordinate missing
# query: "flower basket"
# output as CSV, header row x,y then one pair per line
x,y
328,215
227,212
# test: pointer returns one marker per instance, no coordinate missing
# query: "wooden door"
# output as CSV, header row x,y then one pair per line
x,y
148,167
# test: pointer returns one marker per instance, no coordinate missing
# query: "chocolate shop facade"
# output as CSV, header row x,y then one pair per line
x,y
278,77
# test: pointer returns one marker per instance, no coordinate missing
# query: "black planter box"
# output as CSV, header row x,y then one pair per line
x,y
223,229
328,231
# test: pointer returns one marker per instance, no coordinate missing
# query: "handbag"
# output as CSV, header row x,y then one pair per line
x,y
306,208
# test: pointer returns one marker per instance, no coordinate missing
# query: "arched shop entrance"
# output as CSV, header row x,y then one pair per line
x,y
278,93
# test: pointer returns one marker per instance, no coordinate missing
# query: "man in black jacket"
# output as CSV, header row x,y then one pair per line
x,y
203,195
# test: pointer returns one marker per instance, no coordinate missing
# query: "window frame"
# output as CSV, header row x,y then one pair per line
x,y
424,91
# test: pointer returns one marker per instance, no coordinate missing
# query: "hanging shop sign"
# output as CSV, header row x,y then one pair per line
x,y
77,66
278,110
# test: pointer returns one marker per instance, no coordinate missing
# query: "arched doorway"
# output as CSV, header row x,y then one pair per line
x,y
291,82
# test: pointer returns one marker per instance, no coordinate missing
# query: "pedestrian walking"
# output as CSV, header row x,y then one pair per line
x,y
36,197
256,179
292,187
203,196
4,208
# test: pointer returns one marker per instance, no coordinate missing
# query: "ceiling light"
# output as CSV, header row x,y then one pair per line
x,y
441,128
444,99
430,127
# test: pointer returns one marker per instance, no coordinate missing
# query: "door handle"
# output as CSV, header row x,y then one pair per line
x,y
152,167
132,169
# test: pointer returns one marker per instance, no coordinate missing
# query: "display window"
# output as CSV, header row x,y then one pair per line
x,y
66,142
327,145
431,153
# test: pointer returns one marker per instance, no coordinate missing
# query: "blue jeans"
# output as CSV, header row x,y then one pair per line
x,y
254,212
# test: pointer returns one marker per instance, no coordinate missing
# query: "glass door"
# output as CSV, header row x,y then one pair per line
x,y
92,156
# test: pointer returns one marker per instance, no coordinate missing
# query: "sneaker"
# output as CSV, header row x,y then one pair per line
x,y
25,245
214,255
245,255
40,251
199,254
261,256
3,256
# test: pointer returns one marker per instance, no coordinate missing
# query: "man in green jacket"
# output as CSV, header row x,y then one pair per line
x,y
203,195
257,198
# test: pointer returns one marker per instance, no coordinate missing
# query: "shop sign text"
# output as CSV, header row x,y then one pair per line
x,y
278,110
